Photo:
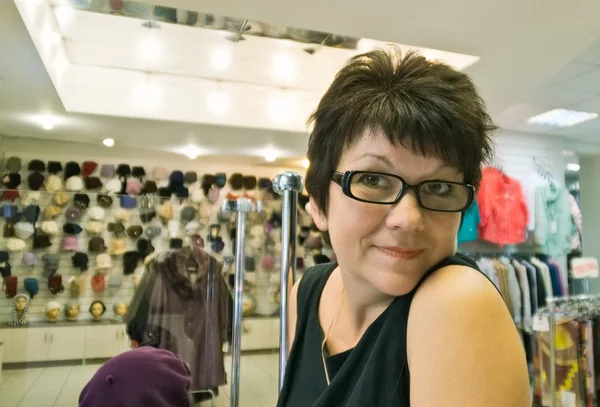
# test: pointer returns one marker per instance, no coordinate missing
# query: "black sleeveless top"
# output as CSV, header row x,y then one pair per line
x,y
374,373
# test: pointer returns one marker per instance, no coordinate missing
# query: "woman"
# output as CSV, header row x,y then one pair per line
x,y
400,319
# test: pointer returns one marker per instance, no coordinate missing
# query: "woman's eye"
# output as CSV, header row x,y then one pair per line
x,y
438,188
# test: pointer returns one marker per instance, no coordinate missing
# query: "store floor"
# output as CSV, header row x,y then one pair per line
x,y
60,386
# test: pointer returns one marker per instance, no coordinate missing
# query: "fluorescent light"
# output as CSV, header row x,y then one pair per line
x,y
221,59
573,167
562,118
270,156
284,67
192,152
108,142
64,15
218,102
150,49
147,95
48,121
281,109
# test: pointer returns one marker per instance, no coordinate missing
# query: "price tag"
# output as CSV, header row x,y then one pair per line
x,y
541,324
584,267
568,399
553,227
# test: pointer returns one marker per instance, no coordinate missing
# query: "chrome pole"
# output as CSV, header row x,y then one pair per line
x,y
288,184
241,206
552,323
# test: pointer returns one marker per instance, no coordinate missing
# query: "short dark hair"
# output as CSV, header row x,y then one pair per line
x,y
423,105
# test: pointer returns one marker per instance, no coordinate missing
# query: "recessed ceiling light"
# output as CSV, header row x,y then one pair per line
x,y
64,15
284,67
48,121
192,152
305,163
218,102
108,142
573,167
150,49
270,156
221,58
562,118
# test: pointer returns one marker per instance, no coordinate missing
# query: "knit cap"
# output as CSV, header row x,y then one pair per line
x,y
165,381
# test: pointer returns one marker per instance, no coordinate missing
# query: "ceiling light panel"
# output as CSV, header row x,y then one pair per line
x,y
562,118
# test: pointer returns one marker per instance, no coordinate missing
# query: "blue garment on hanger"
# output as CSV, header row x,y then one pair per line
x,y
468,230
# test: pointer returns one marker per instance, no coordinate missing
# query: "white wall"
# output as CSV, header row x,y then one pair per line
x,y
589,182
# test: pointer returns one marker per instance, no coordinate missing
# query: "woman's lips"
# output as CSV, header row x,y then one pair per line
x,y
400,253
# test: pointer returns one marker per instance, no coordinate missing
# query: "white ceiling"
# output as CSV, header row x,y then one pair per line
x,y
520,49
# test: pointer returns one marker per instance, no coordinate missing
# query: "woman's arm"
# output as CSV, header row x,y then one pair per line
x,y
292,314
463,347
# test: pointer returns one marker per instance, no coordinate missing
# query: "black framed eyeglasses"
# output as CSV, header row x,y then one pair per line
x,y
388,189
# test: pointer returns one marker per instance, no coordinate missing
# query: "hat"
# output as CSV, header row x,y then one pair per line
x,y
165,192
23,230
236,181
159,173
249,263
36,165
208,180
98,282
192,227
176,178
4,256
134,187
11,180
173,227
188,214
104,201
153,231
113,186
13,164
82,201
8,230
93,183
144,248
29,259
55,285
71,169
94,227
117,247
267,262
31,213
35,180
196,195
31,285
165,382
41,242
10,286
74,183
53,183
96,213
122,214
31,198
130,262
69,244
5,270
134,231
220,179
107,171
123,170
138,172
61,198
8,211
149,187
15,245
96,245
49,227
116,227
50,212
72,229
217,244
114,282
213,194
80,260
103,261
88,168
73,213
75,287
190,177
128,202
175,243
51,260
10,194
54,167
249,182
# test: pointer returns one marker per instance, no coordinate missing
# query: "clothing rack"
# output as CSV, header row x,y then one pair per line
x,y
583,306
543,170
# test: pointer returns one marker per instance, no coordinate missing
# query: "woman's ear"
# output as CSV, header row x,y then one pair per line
x,y
318,216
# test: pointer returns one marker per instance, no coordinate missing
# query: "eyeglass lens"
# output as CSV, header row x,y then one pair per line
x,y
433,195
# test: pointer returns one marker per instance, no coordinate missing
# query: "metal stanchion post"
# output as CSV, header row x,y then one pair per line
x,y
241,206
288,184
552,323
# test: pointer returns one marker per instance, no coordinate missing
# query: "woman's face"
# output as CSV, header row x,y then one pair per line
x,y
20,304
389,247
97,310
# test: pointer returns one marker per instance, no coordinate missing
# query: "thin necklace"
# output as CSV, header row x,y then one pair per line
x,y
340,302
